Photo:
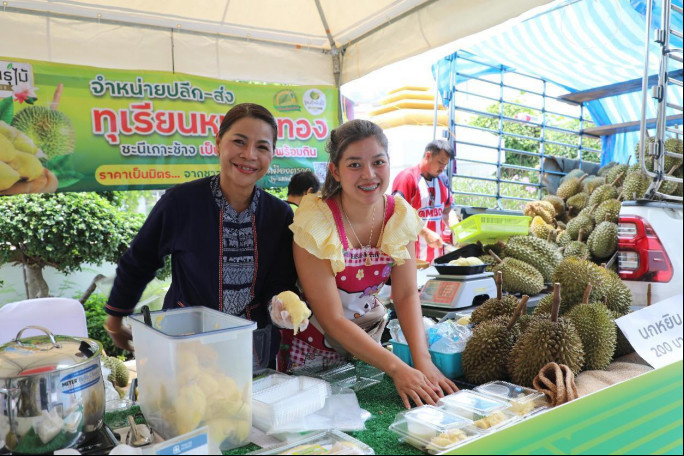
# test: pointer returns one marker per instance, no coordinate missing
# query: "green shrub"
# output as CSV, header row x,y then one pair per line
x,y
95,318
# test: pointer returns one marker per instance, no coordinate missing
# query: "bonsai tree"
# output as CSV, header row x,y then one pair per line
x,y
62,230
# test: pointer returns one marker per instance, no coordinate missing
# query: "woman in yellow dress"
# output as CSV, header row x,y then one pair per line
x,y
347,243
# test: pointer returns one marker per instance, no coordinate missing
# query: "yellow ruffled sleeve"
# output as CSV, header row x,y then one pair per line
x,y
314,231
402,227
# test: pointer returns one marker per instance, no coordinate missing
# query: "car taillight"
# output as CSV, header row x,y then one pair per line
x,y
641,255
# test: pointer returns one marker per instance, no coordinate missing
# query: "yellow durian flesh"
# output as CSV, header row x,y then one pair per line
x,y
295,307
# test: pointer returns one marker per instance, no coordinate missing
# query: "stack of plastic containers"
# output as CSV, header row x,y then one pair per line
x,y
433,429
194,368
279,399
524,401
486,413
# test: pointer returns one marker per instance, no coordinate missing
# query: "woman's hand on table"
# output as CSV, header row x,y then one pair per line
x,y
120,334
413,385
436,377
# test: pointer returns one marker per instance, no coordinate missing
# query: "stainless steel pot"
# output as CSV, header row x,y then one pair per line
x,y
51,391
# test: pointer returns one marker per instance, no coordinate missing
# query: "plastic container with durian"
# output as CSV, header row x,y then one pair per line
x,y
278,399
524,401
433,429
328,442
487,413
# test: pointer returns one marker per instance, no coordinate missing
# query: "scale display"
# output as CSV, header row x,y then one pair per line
x,y
457,291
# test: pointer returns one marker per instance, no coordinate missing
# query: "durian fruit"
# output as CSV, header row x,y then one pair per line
x,y
622,345
545,341
52,131
119,375
582,222
575,173
618,296
577,202
499,306
295,307
617,174
561,225
673,145
519,277
596,327
544,306
543,209
606,168
542,255
570,187
577,248
669,187
574,274
489,261
608,211
496,248
557,202
591,183
605,192
486,353
563,238
636,184
540,228
603,240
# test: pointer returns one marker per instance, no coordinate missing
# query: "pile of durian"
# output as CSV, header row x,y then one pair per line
x,y
579,221
574,326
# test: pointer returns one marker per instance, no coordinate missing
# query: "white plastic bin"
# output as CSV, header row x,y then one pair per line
x,y
194,368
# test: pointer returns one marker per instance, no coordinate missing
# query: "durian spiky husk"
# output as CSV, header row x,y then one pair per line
x,y
520,277
604,193
544,342
603,240
557,202
574,274
618,295
596,327
539,228
570,187
544,306
539,253
564,238
608,211
635,185
581,222
577,249
578,202
493,308
615,173
592,183
486,353
622,346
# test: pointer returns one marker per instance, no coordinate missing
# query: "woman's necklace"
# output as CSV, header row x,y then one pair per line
x,y
365,248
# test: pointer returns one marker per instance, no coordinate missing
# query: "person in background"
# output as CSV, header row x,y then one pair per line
x,y
347,243
301,184
421,187
230,246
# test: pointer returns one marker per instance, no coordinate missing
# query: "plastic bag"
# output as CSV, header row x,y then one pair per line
x,y
448,337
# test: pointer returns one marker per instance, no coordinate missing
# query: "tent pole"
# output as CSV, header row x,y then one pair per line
x,y
337,61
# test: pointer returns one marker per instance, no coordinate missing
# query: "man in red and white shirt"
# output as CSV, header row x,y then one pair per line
x,y
422,188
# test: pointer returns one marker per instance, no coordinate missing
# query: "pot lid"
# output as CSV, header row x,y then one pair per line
x,y
38,355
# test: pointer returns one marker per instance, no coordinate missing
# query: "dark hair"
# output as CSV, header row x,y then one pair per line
x,y
243,110
440,144
301,182
340,138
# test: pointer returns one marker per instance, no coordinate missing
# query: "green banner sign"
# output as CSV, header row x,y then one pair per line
x,y
76,128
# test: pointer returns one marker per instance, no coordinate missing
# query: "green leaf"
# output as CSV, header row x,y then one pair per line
x,y
7,110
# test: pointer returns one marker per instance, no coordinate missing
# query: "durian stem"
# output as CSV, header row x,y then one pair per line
x,y
522,305
579,236
587,292
617,179
555,307
582,178
56,97
496,257
499,285
649,296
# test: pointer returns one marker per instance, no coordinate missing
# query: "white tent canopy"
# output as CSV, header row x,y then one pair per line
x,y
294,41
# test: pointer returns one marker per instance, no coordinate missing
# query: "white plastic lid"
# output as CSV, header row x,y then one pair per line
x,y
474,402
508,391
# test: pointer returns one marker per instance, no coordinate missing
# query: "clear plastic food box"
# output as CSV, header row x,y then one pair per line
x,y
194,368
328,442
355,377
278,399
433,429
487,413
524,401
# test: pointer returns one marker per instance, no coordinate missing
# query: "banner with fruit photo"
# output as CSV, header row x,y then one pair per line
x,y
77,128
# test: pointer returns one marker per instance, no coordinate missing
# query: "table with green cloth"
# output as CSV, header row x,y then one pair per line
x,y
381,400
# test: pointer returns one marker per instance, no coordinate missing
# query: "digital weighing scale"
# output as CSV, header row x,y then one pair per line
x,y
458,291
